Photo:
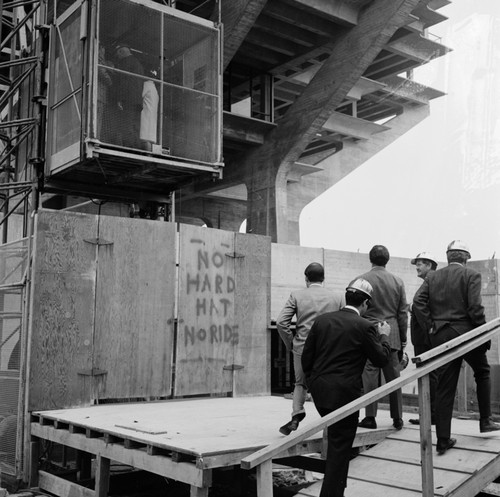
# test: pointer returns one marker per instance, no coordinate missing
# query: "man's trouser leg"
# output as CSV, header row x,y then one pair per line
x,y
340,438
391,372
371,381
478,361
299,390
446,386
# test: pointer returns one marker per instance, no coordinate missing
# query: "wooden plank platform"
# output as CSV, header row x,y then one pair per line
x,y
180,439
186,439
392,468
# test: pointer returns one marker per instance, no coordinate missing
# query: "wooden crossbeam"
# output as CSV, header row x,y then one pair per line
x,y
138,458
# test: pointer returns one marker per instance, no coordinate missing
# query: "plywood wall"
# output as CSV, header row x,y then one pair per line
x,y
224,285
103,307
207,329
289,262
129,308
135,309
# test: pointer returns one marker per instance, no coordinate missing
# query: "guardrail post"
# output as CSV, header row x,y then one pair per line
x,y
265,479
424,406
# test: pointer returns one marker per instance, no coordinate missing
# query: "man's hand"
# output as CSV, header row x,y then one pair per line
x,y
401,352
384,328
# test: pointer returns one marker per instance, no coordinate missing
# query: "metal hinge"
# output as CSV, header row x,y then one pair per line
x,y
232,367
98,241
92,372
235,255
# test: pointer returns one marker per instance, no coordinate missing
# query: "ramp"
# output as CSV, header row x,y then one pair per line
x,y
392,468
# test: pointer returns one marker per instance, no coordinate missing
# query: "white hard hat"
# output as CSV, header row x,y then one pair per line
x,y
458,245
360,285
424,255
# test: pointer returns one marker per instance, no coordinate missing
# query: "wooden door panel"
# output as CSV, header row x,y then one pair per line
x,y
207,330
135,308
62,318
252,263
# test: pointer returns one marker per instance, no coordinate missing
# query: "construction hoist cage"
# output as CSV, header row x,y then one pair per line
x,y
134,100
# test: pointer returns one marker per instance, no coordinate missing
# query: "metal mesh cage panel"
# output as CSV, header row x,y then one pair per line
x,y
189,124
157,82
65,88
64,118
13,260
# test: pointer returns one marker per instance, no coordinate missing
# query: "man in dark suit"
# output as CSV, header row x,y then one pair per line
x,y
306,305
333,359
449,305
424,263
389,305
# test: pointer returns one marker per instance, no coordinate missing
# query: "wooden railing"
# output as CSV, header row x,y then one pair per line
x,y
425,364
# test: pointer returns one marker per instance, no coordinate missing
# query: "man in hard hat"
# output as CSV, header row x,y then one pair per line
x,y
389,305
449,305
306,304
333,359
424,262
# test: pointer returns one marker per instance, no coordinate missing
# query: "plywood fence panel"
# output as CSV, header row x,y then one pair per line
x,y
207,331
135,301
289,262
287,271
342,267
252,263
62,315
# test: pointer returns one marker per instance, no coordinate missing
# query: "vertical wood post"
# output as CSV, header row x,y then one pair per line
x,y
424,405
83,465
198,491
33,462
265,479
102,476
205,485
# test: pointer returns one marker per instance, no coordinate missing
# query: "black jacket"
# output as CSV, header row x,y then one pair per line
x,y
450,296
335,354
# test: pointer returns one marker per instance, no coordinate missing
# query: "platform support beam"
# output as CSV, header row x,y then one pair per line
x,y
62,488
164,466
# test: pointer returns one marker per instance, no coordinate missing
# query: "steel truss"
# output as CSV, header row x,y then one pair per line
x,y
23,54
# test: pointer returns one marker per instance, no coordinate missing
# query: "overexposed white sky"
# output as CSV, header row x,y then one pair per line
x,y
441,180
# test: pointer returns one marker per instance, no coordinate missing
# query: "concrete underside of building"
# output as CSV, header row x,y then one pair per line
x,y
343,90
311,91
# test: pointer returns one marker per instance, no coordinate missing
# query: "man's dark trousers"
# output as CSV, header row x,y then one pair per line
x,y
340,438
448,380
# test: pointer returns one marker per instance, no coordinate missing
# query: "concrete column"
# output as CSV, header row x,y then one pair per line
x,y
267,210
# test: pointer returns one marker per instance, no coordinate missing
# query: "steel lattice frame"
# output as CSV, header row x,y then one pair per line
x,y
23,47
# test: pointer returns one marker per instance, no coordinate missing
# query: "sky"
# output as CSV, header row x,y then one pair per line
x,y
441,180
